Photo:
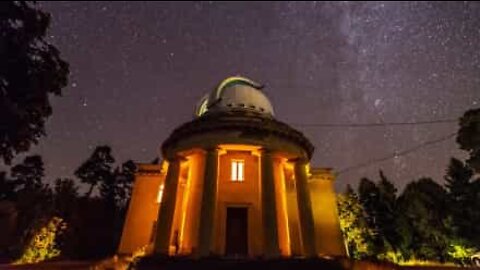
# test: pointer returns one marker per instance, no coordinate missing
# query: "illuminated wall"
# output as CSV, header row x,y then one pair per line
x,y
295,238
244,193
329,239
143,208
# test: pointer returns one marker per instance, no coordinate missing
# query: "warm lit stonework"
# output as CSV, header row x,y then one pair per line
x,y
234,182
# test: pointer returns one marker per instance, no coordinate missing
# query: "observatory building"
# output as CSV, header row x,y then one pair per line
x,y
234,182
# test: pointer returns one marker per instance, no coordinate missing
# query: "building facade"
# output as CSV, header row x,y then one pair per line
x,y
234,182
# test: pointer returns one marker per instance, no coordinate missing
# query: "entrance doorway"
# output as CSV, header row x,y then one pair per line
x,y
237,231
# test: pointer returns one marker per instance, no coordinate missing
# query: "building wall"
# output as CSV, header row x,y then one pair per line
x,y
243,194
180,212
142,210
329,239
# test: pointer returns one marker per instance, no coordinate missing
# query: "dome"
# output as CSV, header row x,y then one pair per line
x,y
233,94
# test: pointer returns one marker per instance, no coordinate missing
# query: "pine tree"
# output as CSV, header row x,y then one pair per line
x,y
463,201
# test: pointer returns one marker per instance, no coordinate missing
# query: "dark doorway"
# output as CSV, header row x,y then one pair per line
x,y
237,231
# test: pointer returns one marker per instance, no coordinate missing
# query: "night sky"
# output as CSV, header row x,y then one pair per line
x,y
138,69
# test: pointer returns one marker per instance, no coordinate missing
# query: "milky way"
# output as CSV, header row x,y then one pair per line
x,y
138,69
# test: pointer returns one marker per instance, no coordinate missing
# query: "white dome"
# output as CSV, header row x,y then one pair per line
x,y
236,93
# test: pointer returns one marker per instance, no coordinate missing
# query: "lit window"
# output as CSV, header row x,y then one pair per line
x,y
237,170
160,194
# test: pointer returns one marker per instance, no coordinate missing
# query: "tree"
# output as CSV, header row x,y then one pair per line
x,y
65,197
97,168
368,195
468,137
379,202
387,210
31,196
356,233
43,245
423,204
7,187
116,189
30,70
100,218
124,175
29,174
463,201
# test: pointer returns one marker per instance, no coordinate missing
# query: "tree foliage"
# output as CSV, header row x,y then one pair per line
x,y
468,137
357,235
31,196
99,218
426,222
422,204
97,169
463,201
30,71
379,201
43,245
95,219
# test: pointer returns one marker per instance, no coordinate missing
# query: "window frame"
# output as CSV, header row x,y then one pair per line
x,y
237,170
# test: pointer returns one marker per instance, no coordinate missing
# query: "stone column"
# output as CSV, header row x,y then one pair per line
x,y
207,210
269,209
305,208
167,208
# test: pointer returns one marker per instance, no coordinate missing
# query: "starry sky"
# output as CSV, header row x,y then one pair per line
x,y
139,68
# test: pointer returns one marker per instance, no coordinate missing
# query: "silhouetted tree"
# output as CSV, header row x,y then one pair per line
x,y
32,197
29,174
97,226
97,169
379,202
124,175
387,210
65,197
463,201
423,204
7,187
30,70
468,137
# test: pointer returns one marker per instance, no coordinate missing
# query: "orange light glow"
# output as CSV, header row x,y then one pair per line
x,y
283,196
160,194
184,206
